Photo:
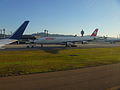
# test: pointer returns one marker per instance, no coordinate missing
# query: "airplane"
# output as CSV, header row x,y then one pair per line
x,y
109,39
16,35
67,41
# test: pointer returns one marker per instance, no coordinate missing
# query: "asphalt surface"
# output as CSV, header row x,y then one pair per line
x,y
94,78
13,47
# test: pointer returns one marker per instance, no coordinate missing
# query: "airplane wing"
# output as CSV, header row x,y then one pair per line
x,y
4,42
16,35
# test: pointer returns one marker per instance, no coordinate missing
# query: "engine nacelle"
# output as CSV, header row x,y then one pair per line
x,y
70,44
84,42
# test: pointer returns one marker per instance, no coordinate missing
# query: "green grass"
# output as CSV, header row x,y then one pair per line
x,y
39,61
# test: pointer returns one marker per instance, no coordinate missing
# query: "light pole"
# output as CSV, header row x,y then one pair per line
x,y
46,32
4,33
0,31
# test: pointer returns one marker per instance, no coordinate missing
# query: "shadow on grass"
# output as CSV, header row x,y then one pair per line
x,y
53,50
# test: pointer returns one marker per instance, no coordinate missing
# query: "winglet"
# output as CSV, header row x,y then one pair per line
x,y
95,32
18,33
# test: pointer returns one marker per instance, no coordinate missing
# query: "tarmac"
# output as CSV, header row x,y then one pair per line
x,y
94,78
14,47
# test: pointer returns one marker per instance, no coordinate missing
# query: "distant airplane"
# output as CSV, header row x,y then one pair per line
x,y
16,35
68,41
109,39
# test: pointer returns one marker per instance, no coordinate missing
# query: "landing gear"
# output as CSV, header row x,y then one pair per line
x,y
30,46
41,45
66,45
33,45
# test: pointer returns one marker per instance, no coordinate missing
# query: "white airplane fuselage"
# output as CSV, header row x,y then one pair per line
x,y
68,41
61,40
112,40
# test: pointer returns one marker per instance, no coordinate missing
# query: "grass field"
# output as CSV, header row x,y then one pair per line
x,y
39,61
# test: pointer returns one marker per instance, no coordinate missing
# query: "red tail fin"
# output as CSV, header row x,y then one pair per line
x,y
95,32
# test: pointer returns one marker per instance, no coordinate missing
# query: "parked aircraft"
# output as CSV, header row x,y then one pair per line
x,y
68,41
109,39
16,35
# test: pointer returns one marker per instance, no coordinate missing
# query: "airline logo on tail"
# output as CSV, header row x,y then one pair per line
x,y
18,33
95,32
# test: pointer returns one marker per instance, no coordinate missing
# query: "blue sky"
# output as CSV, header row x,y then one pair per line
x,y
62,16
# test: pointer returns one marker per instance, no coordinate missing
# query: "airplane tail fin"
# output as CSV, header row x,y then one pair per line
x,y
95,32
18,33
